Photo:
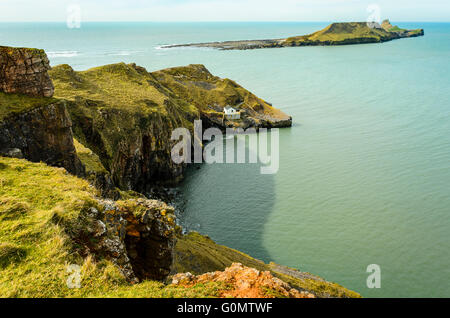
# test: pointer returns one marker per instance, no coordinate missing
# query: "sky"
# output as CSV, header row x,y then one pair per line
x,y
224,10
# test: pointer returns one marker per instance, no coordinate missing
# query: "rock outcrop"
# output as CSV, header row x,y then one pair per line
x,y
24,70
43,133
33,125
210,94
137,235
243,282
198,254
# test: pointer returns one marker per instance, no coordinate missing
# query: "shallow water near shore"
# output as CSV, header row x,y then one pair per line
x,y
364,172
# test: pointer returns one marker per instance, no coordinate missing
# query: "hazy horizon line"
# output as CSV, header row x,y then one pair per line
x,y
222,21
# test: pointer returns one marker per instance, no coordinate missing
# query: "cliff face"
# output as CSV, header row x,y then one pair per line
x,y
24,71
125,117
43,133
50,219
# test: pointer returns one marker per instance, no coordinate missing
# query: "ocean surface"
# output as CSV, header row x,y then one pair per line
x,y
364,172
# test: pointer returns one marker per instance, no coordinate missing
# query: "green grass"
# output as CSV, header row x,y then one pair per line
x,y
343,32
113,86
121,103
16,103
89,159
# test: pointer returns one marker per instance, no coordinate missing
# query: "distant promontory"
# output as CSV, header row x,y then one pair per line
x,y
343,33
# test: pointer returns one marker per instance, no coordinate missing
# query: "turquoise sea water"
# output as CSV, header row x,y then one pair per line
x,y
364,172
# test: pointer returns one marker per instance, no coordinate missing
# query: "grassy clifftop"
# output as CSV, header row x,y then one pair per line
x,y
340,32
126,115
352,33
123,86
37,202
35,248
18,103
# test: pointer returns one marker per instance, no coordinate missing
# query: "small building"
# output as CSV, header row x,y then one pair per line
x,y
231,113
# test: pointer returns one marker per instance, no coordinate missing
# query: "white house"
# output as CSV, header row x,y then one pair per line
x,y
231,113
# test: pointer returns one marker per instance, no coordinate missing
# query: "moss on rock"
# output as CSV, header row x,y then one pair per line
x,y
199,254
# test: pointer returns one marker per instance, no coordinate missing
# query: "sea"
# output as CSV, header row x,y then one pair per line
x,y
364,172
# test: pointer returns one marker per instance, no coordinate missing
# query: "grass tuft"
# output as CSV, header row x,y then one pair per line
x,y
10,254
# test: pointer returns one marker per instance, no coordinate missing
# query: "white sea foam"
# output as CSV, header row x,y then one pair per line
x,y
62,54
124,53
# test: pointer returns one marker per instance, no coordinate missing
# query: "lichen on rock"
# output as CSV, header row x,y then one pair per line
x,y
243,282
136,235
24,70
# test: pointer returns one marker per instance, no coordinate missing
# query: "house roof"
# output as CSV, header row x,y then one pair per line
x,y
228,107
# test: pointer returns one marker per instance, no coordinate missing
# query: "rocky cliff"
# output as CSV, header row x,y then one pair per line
x,y
24,70
126,115
33,125
43,133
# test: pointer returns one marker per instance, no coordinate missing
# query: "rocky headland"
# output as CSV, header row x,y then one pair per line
x,y
74,171
344,33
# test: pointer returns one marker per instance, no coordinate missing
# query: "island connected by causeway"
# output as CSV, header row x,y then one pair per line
x,y
343,33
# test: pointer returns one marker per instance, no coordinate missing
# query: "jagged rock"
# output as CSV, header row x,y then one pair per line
x,y
150,237
243,282
42,134
24,70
